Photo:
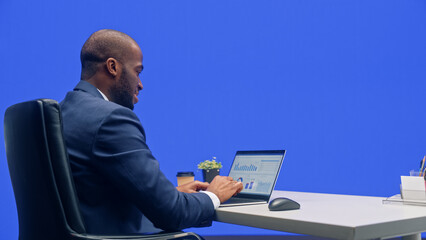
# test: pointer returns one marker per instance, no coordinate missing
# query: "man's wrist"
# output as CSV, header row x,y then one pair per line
x,y
213,197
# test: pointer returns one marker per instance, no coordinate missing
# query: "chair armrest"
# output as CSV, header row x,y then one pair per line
x,y
157,236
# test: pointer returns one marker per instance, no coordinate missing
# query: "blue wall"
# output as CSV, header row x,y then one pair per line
x,y
340,84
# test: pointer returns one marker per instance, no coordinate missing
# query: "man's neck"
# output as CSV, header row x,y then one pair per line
x,y
101,82
103,95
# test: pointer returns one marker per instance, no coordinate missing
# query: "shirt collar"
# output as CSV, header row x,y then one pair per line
x,y
103,95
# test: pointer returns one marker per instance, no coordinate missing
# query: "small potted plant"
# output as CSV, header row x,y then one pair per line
x,y
210,169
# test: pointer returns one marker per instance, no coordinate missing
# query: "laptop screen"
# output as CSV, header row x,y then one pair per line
x,y
257,170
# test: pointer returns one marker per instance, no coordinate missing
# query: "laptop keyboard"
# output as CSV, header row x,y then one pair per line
x,y
241,200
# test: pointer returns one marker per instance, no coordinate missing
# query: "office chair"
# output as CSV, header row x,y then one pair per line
x,y
47,203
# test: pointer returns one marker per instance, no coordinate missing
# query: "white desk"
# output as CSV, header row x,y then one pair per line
x,y
332,216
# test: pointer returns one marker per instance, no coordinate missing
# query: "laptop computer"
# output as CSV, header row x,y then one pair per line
x,y
258,171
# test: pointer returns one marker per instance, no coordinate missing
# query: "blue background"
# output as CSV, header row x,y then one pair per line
x,y
339,84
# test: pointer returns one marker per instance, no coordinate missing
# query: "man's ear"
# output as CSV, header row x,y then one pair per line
x,y
112,66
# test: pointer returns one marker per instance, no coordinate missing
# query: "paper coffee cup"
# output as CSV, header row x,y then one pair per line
x,y
184,177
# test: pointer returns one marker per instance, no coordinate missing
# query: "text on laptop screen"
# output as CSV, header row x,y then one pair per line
x,y
256,172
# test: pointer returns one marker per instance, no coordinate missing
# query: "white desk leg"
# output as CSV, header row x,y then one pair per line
x,y
417,236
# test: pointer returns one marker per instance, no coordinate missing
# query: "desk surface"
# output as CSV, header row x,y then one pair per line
x,y
331,216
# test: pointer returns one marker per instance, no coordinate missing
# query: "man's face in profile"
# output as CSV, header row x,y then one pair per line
x,y
125,91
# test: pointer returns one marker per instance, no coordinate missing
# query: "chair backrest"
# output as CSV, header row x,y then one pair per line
x,y
45,195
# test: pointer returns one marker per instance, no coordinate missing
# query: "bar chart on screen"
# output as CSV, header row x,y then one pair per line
x,y
251,168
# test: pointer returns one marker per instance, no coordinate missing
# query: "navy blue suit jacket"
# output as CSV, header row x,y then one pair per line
x,y
117,178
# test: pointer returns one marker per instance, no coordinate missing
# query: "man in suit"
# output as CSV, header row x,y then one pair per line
x,y
117,178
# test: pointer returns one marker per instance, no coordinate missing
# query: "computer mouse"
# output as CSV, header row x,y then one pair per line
x,y
283,204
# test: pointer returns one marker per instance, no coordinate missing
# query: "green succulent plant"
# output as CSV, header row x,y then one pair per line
x,y
207,164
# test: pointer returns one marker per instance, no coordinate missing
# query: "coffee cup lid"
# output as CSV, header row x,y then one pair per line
x,y
185,174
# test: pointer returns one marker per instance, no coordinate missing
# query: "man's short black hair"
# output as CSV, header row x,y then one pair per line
x,y
100,46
